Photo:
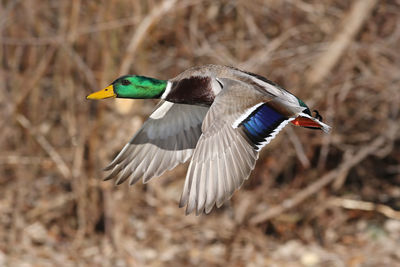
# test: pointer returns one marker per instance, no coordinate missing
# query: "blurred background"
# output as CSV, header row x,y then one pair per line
x,y
312,200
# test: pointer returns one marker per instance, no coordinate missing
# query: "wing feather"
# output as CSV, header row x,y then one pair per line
x,y
166,139
224,156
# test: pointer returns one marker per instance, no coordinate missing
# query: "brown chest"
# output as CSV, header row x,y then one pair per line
x,y
192,90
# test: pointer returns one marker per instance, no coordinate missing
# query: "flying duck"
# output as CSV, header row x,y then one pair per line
x,y
219,116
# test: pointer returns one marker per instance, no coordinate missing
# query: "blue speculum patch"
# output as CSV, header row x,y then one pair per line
x,y
261,123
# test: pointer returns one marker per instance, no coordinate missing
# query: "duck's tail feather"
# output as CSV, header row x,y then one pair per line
x,y
305,120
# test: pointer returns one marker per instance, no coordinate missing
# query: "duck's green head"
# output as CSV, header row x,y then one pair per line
x,y
132,86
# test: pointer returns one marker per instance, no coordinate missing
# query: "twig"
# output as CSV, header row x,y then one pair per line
x,y
342,176
319,184
35,77
359,13
54,155
298,147
364,205
140,33
83,30
21,160
48,207
259,57
4,15
81,65
327,138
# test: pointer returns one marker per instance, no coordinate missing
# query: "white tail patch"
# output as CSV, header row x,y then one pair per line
x,y
326,128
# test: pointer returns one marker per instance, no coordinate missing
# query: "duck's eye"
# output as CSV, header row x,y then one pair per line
x,y
125,82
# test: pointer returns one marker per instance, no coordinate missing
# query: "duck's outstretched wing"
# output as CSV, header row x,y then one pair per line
x,y
166,139
234,130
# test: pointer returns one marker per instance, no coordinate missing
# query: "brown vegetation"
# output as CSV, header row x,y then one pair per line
x,y
313,199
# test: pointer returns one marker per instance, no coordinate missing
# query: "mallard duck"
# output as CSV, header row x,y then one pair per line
x,y
219,116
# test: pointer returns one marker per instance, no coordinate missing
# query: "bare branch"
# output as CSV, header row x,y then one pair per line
x,y
319,184
54,155
359,13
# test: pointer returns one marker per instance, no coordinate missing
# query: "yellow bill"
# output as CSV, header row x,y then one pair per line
x,y
105,93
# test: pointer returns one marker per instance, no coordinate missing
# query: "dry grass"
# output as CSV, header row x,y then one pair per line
x,y
313,199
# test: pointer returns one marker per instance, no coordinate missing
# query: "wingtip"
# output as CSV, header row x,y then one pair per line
x,y
133,180
198,212
108,167
190,208
219,202
119,181
187,212
122,178
209,209
107,178
182,202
